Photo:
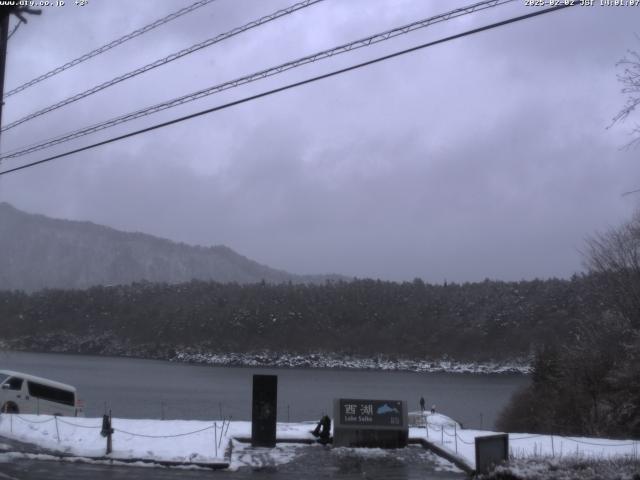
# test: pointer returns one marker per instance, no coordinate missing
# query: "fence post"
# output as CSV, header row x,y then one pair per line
x,y
222,434
109,439
455,434
215,437
55,417
229,422
107,431
553,450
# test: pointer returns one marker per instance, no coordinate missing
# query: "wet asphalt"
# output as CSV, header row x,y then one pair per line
x,y
24,462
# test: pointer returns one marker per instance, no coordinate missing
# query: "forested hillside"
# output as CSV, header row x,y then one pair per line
x,y
38,252
472,321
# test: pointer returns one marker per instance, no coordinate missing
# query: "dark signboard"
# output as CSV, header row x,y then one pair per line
x,y
265,407
491,450
379,413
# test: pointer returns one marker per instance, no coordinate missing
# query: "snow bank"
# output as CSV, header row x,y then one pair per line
x,y
183,441
447,433
206,442
568,469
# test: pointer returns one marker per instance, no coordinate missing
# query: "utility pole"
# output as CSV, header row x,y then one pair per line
x,y
4,37
5,13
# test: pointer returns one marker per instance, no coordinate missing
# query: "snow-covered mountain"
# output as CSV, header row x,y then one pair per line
x,y
39,252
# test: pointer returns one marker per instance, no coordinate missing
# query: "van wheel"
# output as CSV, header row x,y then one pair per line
x,y
10,407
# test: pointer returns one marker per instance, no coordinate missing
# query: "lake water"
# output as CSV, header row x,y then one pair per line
x,y
136,388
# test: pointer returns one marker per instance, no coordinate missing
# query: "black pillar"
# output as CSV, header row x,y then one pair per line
x,y
264,411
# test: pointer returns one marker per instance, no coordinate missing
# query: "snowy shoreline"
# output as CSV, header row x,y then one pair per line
x,y
336,362
106,346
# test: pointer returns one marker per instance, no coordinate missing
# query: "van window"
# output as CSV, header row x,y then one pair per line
x,y
51,393
15,383
3,377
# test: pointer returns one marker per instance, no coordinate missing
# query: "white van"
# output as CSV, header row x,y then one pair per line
x,y
23,393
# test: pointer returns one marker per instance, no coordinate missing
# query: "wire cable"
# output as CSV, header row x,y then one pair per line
x,y
34,421
77,425
163,61
109,46
464,441
166,436
596,444
322,55
289,86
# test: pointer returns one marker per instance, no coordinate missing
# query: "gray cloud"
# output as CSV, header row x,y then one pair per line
x,y
483,157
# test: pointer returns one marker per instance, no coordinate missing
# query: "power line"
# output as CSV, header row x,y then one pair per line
x,y
290,86
109,46
364,42
164,61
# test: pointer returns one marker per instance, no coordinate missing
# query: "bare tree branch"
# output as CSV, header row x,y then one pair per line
x,y
614,256
629,77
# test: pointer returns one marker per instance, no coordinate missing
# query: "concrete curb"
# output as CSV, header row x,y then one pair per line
x,y
306,441
458,461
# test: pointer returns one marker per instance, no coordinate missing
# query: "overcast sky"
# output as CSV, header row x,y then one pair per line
x,y
485,157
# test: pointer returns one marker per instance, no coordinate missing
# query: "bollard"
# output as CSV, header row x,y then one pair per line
x,y
107,431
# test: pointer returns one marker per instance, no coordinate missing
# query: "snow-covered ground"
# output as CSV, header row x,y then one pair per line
x,y
445,432
187,441
203,442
